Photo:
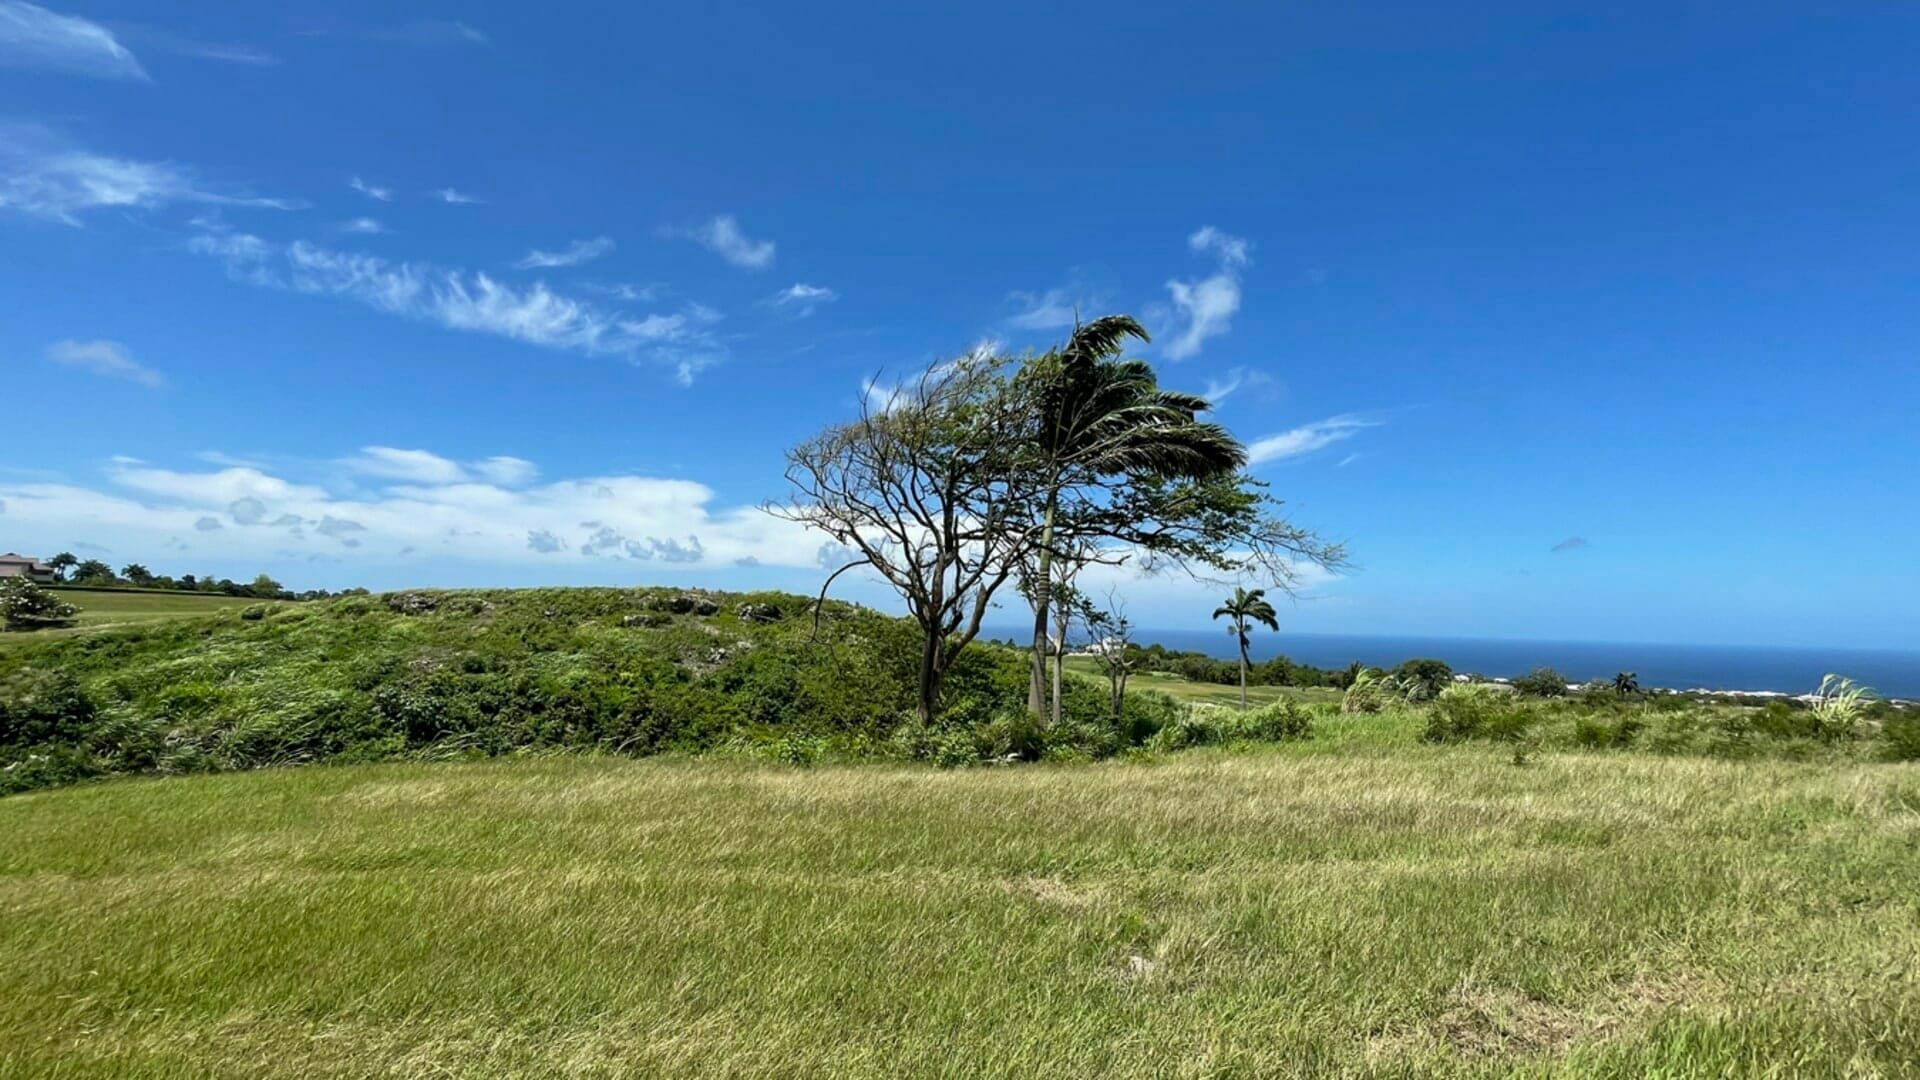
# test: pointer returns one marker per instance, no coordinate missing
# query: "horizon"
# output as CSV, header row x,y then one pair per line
x,y
1539,310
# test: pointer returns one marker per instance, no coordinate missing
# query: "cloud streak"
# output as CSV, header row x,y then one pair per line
x,y
42,176
1306,439
580,251
472,302
31,36
106,358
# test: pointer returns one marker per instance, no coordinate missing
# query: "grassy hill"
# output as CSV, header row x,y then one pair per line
x,y
481,673
1180,688
1360,904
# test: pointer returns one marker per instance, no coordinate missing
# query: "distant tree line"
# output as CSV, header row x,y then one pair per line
x,y
70,569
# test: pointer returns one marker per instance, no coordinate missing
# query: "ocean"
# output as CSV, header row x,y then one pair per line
x,y
1680,667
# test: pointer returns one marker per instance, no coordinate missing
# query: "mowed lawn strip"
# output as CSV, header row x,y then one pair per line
x,y
102,609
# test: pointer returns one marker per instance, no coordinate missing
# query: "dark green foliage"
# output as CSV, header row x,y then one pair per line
x,y
1900,736
1606,730
1542,682
1422,680
439,674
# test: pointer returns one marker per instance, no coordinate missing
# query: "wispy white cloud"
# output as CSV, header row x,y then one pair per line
x,y
441,513
1307,438
580,251
426,467
32,36
431,32
1209,304
1054,309
365,226
1571,543
44,176
723,237
371,191
412,466
470,301
620,290
456,198
151,37
802,299
108,358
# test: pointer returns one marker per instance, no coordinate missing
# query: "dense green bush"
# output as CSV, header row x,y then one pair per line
x,y
1542,682
1205,725
1900,736
1469,711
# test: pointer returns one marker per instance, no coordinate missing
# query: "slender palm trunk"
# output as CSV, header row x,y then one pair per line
x,y
1243,667
1037,684
1059,659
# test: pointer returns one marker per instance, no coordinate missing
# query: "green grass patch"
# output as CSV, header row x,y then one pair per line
x,y
1346,906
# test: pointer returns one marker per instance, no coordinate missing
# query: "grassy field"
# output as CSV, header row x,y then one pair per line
x,y
1356,905
1180,688
105,610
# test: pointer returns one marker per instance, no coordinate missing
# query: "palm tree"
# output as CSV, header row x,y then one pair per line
x,y
1102,415
1244,607
1626,683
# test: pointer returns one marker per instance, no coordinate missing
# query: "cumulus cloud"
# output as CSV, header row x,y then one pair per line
x,y
723,237
1571,543
32,36
107,358
580,251
469,301
582,521
802,298
43,175
1207,306
1307,438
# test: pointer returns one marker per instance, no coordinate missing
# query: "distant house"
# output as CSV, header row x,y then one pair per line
x,y
25,566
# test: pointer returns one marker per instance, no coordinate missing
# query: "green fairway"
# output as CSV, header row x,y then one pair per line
x,y
103,609
1354,905
1182,689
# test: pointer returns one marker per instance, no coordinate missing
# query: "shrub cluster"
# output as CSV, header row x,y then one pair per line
x,y
440,674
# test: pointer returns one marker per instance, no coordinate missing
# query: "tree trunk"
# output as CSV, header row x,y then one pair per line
x,y
927,702
1243,669
1059,660
1037,684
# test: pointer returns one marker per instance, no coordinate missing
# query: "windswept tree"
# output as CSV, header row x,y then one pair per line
x,y
1102,419
983,470
927,490
137,574
1245,609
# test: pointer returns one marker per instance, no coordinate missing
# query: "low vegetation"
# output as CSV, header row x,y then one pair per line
x,y
1354,904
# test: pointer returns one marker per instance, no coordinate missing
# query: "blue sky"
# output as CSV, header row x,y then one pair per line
x,y
1572,324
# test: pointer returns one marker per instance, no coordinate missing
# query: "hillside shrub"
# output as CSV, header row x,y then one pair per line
x,y
25,606
1469,711
1900,736
1543,682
